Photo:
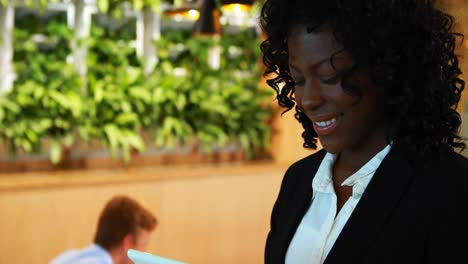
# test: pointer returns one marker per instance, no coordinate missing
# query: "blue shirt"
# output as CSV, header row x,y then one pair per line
x,y
92,254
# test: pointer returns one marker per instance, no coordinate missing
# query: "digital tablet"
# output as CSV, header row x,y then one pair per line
x,y
139,257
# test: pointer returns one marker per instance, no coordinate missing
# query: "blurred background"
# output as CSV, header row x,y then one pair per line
x,y
160,100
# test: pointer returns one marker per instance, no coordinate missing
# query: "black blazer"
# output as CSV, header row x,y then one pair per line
x,y
409,213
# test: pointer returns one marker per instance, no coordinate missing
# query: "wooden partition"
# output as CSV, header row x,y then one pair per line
x,y
287,138
210,214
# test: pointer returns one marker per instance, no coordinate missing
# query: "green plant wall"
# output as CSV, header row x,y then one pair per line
x,y
116,104
219,106
45,102
182,100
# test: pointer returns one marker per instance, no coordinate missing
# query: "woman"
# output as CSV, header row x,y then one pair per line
x,y
377,82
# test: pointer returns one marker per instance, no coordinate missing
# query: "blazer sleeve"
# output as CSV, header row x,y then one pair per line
x,y
272,247
292,202
448,234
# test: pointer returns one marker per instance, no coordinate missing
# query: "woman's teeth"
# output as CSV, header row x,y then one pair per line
x,y
326,123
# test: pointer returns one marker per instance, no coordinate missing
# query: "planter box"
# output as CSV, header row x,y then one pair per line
x,y
95,156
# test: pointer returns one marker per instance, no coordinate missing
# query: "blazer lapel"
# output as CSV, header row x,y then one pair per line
x,y
389,183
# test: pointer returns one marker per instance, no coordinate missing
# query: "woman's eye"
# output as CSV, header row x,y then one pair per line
x,y
334,78
298,82
331,80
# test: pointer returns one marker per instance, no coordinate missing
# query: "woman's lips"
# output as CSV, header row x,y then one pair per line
x,y
325,125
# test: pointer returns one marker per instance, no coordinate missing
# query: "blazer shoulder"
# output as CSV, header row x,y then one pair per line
x,y
308,162
458,163
454,168
443,182
446,203
301,172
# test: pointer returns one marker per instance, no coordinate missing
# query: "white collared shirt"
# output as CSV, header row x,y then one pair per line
x,y
319,227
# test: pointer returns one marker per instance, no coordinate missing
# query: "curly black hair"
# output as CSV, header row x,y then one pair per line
x,y
408,47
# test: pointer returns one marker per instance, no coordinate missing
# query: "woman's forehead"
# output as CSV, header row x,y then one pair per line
x,y
318,44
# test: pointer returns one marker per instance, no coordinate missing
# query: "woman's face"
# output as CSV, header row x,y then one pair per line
x,y
342,120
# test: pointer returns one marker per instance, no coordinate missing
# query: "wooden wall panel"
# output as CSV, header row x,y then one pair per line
x,y
287,138
216,218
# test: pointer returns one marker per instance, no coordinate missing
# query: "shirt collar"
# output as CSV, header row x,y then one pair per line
x,y
322,181
361,178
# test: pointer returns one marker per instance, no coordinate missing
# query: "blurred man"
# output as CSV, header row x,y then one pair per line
x,y
123,224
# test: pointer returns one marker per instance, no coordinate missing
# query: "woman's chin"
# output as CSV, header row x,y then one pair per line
x,y
330,147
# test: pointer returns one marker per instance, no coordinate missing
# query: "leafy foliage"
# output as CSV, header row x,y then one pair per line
x,y
45,101
117,102
183,99
219,106
115,8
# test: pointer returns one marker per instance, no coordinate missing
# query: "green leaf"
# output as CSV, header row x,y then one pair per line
x,y
135,140
132,75
103,5
55,151
126,153
126,118
68,140
26,145
140,93
138,4
245,143
60,98
32,137
75,103
98,92
9,105
113,135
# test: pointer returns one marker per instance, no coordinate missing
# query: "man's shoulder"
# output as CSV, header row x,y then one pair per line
x,y
65,257
88,255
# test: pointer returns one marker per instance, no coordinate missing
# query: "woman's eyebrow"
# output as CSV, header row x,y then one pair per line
x,y
320,62
314,65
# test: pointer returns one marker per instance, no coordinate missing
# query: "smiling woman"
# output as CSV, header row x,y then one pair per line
x,y
342,118
377,82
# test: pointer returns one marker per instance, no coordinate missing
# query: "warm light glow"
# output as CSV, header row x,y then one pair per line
x,y
466,43
236,8
194,14
180,15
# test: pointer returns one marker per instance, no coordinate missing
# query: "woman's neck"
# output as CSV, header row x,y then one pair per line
x,y
350,161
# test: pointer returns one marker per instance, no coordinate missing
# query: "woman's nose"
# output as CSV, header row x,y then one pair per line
x,y
311,96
